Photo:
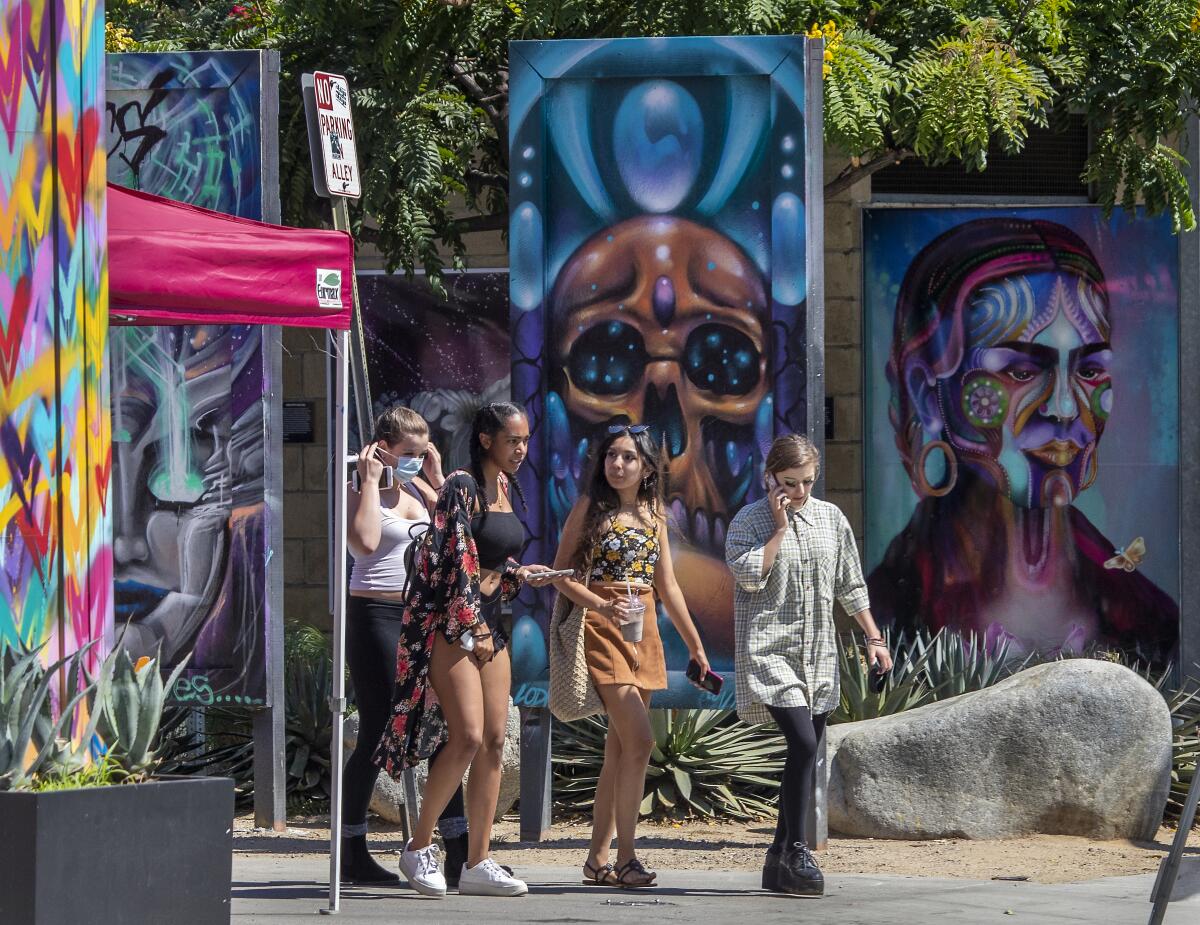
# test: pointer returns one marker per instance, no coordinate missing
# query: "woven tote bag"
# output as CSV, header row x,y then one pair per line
x,y
572,694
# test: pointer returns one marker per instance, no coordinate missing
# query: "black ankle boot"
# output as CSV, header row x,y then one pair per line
x,y
770,874
798,872
359,867
456,857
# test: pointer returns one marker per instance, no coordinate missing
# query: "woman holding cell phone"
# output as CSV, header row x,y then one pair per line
x,y
791,556
453,653
616,539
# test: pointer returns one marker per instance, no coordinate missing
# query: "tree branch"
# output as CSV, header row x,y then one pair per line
x,y
483,99
478,180
854,174
473,223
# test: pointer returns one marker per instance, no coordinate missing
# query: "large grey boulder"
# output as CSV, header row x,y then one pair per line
x,y
387,801
1074,747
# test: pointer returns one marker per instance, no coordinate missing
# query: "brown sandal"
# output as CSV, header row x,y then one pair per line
x,y
601,876
633,876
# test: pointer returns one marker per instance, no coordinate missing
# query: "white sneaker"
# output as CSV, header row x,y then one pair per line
x,y
421,869
487,878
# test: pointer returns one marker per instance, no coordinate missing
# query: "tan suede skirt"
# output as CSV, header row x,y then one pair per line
x,y
612,660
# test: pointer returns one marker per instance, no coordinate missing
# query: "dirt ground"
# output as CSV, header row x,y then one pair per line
x,y
698,845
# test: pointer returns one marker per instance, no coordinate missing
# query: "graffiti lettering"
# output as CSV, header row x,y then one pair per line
x,y
531,695
195,689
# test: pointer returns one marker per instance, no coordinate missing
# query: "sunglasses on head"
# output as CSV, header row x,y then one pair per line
x,y
628,428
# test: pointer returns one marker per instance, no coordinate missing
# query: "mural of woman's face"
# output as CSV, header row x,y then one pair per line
x,y
1028,405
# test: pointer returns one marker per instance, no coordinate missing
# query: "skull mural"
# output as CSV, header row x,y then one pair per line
x,y
657,247
662,321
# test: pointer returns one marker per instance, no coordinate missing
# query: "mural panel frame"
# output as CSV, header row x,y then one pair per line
x,y
227,104
789,173
1077,237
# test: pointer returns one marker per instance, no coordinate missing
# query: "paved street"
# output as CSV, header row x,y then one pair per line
x,y
281,889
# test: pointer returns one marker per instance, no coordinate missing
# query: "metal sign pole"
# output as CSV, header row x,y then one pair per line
x,y
358,345
331,146
337,703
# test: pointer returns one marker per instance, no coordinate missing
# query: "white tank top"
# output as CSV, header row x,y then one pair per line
x,y
383,570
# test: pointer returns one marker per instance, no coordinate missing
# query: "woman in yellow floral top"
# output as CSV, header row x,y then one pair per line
x,y
616,538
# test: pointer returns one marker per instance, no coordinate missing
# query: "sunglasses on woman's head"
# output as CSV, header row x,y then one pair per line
x,y
628,428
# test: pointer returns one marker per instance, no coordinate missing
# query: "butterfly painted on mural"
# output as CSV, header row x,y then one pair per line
x,y
1130,557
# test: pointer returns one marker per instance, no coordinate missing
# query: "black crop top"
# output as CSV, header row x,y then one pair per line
x,y
499,536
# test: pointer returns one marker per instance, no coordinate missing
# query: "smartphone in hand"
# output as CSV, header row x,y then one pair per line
x,y
386,480
711,681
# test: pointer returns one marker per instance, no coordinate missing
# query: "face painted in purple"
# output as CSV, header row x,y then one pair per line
x,y
1028,406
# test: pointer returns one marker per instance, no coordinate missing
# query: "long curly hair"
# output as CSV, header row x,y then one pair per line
x,y
490,420
603,500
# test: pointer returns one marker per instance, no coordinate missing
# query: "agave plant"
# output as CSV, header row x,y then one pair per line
x,y
228,747
131,710
703,761
29,731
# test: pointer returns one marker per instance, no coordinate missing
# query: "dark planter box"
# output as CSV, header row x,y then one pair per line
x,y
123,855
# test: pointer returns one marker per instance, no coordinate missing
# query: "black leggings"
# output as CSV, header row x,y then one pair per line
x,y
372,635
803,732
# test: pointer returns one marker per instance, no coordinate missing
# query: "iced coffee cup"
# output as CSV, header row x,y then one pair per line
x,y
631,628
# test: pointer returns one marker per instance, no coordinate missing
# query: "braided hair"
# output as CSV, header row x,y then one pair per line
x,y
490,420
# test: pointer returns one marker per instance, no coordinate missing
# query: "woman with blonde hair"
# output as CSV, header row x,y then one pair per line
x,y
792,555
616,539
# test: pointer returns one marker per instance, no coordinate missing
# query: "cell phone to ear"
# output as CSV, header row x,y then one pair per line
x,y
386,480
711,681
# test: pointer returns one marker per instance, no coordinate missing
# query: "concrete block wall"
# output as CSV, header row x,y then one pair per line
x,y
305,504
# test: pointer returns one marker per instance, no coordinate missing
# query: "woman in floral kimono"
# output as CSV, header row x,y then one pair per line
x,y
452,665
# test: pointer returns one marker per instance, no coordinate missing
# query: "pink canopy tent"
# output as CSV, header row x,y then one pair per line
x,y
173,263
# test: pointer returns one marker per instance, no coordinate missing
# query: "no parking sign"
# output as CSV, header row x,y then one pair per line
x,y
336,130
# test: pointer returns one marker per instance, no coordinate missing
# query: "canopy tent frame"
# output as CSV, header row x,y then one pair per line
x,y
150,239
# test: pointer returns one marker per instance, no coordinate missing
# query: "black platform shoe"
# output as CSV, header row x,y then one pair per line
x,y
799,874
359,867
770,875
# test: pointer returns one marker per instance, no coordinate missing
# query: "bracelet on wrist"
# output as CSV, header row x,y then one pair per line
x,y
482,635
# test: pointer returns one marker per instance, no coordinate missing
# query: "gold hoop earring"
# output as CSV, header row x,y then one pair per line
x,y
922,484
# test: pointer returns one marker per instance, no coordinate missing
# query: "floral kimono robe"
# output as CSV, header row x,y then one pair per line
x,y
443,597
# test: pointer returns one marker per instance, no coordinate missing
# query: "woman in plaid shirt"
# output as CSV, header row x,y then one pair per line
x,y
791,556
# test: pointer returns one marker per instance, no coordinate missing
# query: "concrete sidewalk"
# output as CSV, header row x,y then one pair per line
x,y
282,889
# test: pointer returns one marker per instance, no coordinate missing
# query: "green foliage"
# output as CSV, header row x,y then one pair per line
x,y
104,772
704,761
130,708
941,80
29,728
928,667
963,90
227,748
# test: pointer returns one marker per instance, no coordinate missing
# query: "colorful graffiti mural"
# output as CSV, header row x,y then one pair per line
x,y
658,276
191,538
1022,411
54,429
442,357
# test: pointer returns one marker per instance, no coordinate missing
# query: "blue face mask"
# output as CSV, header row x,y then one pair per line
x,y
407,468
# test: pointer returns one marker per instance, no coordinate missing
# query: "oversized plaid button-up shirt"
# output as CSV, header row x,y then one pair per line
x,y
786,641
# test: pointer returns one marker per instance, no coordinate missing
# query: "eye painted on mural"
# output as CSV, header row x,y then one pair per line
x,y
721,359
608,359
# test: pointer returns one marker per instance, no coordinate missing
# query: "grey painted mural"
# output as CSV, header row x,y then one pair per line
x,y
191,521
